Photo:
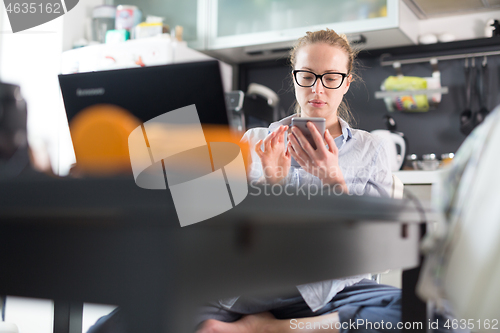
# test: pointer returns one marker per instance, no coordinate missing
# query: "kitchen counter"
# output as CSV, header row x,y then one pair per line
x,y
419,176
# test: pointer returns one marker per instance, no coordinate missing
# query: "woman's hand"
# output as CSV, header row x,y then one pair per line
x,y
275,158
320,162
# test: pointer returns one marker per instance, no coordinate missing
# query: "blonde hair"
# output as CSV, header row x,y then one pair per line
x,y
331,38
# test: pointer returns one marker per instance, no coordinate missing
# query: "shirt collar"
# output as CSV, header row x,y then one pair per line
x,y
346,130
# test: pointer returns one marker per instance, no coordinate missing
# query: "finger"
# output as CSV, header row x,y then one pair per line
x,y
282,134
298,149
258,148
276,137
287,153
305,145
332,147
267,141
293,153
304,164
316,135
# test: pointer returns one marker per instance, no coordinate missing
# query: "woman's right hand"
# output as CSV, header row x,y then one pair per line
x,y
275,157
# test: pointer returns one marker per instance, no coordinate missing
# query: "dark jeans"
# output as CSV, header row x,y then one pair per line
x,y
366,300
363,307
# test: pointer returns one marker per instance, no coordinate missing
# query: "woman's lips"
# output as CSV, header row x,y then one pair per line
x,y
317,103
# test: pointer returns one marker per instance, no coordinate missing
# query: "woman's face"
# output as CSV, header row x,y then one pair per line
x,y
320,58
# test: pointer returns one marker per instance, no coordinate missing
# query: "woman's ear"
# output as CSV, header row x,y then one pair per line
x,y
348,80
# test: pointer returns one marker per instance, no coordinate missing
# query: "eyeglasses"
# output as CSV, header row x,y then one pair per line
x,y
308,79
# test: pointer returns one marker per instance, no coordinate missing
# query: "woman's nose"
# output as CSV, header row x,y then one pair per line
x,y
318,87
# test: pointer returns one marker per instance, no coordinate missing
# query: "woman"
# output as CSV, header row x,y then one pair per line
x,y
346,160
364,167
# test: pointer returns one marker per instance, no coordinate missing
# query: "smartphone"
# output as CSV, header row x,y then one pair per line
x,y
300,123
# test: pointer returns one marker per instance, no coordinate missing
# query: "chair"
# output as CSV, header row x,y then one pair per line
x,y
462,264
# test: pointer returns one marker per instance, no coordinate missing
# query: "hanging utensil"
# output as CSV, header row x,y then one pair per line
x,y
390,123
467,116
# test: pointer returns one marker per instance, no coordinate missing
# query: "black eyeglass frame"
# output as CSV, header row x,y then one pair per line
x,y
295,71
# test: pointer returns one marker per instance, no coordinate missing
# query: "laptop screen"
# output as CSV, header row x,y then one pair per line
x,y
148,92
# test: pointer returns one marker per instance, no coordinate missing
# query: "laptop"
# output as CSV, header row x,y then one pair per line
x,y
148,92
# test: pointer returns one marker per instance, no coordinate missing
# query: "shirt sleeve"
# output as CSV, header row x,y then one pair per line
x,y
380,181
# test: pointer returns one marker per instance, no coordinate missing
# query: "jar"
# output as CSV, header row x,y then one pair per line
x,y
103,19
447,158
413,161
429,162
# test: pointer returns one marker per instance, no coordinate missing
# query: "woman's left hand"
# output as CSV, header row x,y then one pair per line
x,y
321,162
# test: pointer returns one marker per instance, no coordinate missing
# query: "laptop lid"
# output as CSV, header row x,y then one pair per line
x,y
148,92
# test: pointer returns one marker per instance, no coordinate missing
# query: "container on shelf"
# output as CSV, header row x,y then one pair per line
x,y
127,17
103,19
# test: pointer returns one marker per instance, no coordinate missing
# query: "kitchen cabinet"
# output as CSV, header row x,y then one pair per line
x,y
241,31
241,23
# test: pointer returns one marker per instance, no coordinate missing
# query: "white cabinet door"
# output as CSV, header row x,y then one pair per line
x,y
244,23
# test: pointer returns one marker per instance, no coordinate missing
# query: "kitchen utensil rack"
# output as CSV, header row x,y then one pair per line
x,y
428,92
439,58
399,93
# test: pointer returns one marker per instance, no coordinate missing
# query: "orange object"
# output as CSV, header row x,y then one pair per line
x,y
219,133
100,138
140,62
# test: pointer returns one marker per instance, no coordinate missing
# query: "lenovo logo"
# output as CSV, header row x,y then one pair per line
x,y
90,92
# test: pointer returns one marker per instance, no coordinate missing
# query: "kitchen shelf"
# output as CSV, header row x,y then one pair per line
x,y
439,58
428,92
433,50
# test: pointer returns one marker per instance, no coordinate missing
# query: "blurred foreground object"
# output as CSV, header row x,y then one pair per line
x,y
13,136
463,261
100,135
8,327
172,150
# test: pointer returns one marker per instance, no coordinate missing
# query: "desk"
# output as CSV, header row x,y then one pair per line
x,y
108,241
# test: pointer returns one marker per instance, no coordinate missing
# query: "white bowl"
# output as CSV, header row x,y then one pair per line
x,y
446,37
427,39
